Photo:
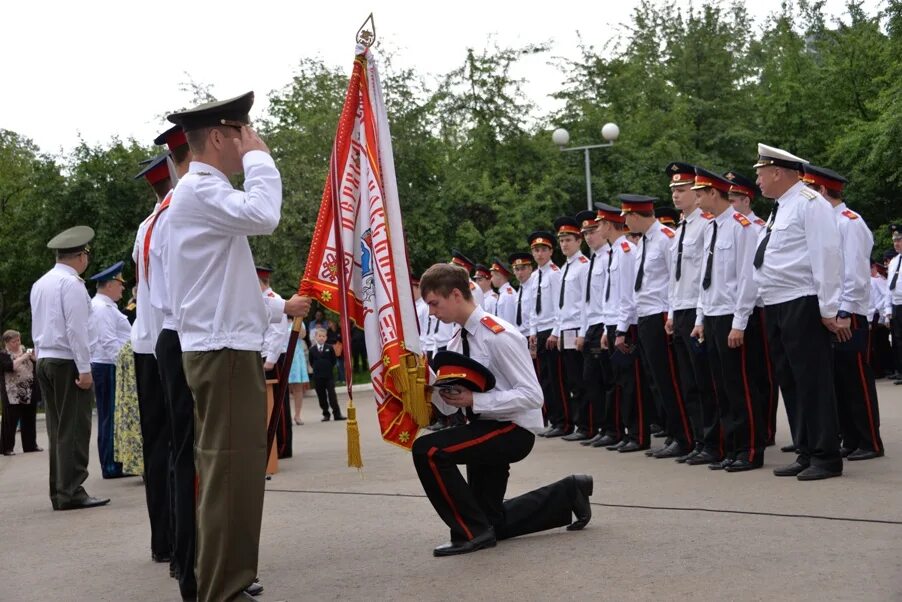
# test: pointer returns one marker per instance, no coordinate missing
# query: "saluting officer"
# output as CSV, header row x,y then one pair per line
x,y
856,391
60,310
798,270
506,298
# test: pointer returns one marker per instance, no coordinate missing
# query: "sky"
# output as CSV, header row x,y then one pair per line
x,y
95,69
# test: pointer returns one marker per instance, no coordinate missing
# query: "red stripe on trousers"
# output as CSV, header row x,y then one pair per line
x,y
867,394
560,382
748,405
771,399
639,402
676,389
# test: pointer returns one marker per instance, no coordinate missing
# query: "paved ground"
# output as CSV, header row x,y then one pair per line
x,y
659,531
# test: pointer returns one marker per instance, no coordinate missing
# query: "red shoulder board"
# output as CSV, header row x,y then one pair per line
x,y
850,214
510,290
491,324
472,286
743,220
667,232
554,267
625,246
582,259
707,215
760,221
270,294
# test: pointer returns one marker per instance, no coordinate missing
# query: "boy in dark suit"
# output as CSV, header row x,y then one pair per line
x,y
323,360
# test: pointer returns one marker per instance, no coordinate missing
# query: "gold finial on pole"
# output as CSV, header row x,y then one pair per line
x,y
367,37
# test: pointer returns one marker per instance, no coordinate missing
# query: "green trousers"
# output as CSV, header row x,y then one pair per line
x,y
68,428
230,459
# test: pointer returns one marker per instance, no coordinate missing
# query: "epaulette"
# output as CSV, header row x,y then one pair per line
x,y
707,215
582,259
850,214
554,267
510,290
809,194
202,173
743,220
270,294
491,324
625,246
760,221
667,232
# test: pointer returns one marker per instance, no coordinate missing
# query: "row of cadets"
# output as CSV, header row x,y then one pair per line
x,y
694,379
542,324
856,392
275,343
570,304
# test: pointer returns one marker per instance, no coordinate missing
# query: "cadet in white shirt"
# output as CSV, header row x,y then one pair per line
x,y
650,304
60,310
892,309
482,276
735,439
459,259
275,343
110,331
506,298
220,321
541,338
856,391
798,270
691,354
523,267
492,379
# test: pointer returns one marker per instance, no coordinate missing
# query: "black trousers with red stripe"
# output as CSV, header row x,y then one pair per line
x,y
696,384
600,415
766,379
557,410
487,448
660,364
742,407
284,434
630,391
856,392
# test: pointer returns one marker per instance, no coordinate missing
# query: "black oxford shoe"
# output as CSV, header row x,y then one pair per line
x,y
817,473
703,458
557,431
88,502
631,446
606,441
864,454
589,442
674,450
254,589
721,465
617,446
790,470
789,449
742,466
576,436
683,459
582,509
486,539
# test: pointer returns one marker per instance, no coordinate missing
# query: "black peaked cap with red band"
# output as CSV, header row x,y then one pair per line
x,y
452,368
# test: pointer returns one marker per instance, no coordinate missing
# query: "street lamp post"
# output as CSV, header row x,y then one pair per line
x,y
561,137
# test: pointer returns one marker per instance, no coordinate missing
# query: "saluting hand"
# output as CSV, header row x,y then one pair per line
x,y
248,140
297,306
84,381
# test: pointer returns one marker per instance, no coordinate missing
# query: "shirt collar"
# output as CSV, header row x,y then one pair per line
x,y
104,299
723,217
791,193
474,319
695,213
200,167
66,269
839,208
573,257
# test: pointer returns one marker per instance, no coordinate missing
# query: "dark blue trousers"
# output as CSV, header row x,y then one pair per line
x,y
105,394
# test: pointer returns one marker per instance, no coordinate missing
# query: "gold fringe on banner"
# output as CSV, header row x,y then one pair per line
x,y
410,381
355,458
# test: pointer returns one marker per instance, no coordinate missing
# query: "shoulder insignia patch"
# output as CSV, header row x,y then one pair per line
x,y
491,324
667,232
743,220
510,290
850,214
202,173
707,215
270,294
582,259
554,267
760,221
625,246
809,194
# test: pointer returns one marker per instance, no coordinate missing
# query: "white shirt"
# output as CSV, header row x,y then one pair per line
x,y
684,292
148,319
548,287
857,243
619,307
506,306
478,296
211,266
598,269
803,256
526,299
490,302
422,310
517,395
879,290
60,310
160,274
275,339
733,290
109,330
653,296
570,312
893,295
441,333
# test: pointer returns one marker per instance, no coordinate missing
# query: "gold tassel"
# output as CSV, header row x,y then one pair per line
x,y
355,458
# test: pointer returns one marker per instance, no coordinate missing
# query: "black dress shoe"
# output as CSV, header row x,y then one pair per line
x,y
651,452
721,465
557,431
631,446
898,381
790,470
674,450
817,473
703,458
606,441
37,449
864,454
582,509
789,449
160,557
683,459
588,442
486,539
742,466
659,435
576,436
340,418
654,429
326,419
617,446
88,502
254,589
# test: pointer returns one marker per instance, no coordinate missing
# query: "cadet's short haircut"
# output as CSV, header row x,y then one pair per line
x,y
197,139
442,278
833,194
180,153
162,187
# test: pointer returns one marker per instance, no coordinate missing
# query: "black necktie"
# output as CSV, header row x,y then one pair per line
x,y
759,254
520,306
607,287
589,278
560,302
539,294
706,280
679,266
641,273
892,284
471,416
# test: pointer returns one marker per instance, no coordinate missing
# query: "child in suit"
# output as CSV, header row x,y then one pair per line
x,y
323,360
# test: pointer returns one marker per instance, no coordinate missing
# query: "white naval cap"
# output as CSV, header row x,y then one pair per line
x,y
769,155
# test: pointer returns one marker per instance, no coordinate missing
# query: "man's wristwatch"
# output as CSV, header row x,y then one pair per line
x,y
619,333
843,315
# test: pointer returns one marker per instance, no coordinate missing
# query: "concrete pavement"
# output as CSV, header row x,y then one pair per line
x,y
659,530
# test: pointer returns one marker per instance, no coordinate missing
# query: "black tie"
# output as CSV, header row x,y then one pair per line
x,y
706,280
892,284
539,294
607,287
560,302
589,278
471,416
679,266
520,306
641,272
759,254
